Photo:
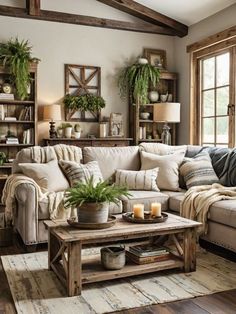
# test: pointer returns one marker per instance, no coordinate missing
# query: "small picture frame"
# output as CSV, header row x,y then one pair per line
x,y
116,125
156,58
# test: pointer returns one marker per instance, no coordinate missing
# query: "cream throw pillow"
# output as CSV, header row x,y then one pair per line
x,y
144,180
48,176
168,177
162,149
76,172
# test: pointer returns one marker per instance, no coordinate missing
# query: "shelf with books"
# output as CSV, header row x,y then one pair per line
x,y
17,117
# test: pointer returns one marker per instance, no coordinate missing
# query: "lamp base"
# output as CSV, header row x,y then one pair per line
x,y
52,130
166,136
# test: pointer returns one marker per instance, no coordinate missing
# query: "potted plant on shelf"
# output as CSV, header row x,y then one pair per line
x,y
16,55
67,129
92,200
3,158
137,78
77,130
86,102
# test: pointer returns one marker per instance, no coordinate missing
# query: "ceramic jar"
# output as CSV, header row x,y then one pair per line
x,y
153,96
68,132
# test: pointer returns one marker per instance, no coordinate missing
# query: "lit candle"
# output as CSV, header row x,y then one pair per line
x,y
138,210
156,209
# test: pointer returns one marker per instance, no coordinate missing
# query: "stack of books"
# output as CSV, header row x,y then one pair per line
x,y
4,96
28,136
26,114
12,141
144,254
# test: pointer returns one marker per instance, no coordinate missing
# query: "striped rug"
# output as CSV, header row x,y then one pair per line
x,y
37,290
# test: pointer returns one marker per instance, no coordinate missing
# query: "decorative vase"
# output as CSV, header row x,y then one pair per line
x,y
164,97
144,115
60,132
77,134
93,212
68,132
153,96
142,61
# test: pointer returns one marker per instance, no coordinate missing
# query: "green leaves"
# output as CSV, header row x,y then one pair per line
x,y
88,193
87,102
16,55
137,78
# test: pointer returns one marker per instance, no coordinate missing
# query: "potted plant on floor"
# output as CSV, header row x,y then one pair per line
x,y
137,78
92,200
16,55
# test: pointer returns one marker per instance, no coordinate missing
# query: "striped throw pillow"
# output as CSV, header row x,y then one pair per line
x,y
76,172
138,180
198,170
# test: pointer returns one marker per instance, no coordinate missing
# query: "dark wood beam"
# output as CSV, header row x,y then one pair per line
x,y
138,10
33,7
60,17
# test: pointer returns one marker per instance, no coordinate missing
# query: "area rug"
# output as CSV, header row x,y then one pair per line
x,y
37,290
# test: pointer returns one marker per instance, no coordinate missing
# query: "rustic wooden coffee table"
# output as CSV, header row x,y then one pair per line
x,y
65,245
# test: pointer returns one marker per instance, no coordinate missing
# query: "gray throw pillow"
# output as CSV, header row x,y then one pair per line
x,y
76,172
198,170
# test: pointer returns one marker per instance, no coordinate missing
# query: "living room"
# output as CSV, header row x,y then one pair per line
x,y
117,156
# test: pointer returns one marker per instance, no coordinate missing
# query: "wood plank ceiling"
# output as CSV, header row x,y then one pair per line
x,y
150,20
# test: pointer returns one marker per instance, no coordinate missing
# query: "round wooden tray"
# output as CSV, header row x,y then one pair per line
x,y
148,219
111,221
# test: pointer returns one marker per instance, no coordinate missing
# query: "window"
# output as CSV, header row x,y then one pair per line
x,y
213,90
214,99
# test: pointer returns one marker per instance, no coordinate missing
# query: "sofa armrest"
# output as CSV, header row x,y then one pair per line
x,y
26,217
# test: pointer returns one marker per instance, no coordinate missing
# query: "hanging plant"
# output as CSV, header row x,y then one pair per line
x,y
87,102
16,55
137,78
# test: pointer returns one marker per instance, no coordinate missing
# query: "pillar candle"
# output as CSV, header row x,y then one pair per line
x,y
138,210
156,209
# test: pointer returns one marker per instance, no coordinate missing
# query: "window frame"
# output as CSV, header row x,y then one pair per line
x,y
215,44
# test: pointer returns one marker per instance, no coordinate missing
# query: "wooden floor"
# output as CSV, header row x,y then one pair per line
x,y
219,303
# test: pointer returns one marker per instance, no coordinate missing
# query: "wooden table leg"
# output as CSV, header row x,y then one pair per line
x,y
53,247
74,282
190,250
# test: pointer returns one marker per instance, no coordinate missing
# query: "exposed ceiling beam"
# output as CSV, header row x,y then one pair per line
x,y
61,17
138,10
33,7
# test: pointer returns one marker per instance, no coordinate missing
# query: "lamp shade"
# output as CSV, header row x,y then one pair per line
x,y
166,112
52,112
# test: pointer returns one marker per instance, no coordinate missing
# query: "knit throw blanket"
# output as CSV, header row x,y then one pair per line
x,y
198,200
55,199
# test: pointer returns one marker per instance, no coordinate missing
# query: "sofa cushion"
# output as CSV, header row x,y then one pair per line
x,y
112,158
145,180
175,199
198,170
146,198
48,176
224,212
168,176
76,172
162,149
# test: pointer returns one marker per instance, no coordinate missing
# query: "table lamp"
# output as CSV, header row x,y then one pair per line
x,y
166,112
52,113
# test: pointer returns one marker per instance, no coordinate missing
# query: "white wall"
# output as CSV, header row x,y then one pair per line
x,y
56,44
212,25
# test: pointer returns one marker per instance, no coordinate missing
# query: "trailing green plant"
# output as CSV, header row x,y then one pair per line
x,y
137,78
16,55
87,102
89,193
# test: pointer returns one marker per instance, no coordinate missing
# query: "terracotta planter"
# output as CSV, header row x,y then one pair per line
x,y
93,213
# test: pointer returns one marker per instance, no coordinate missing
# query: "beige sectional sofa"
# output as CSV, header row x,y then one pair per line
x,y
29,216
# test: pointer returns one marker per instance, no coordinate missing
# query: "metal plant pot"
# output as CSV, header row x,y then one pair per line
x,y
93,213
113,257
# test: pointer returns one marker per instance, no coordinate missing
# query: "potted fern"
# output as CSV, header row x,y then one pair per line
x,y
92,200
137,78
16,55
